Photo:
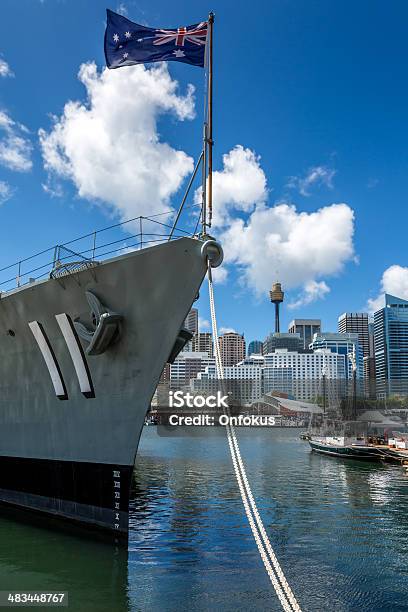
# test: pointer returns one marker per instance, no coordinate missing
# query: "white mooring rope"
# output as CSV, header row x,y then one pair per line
x,y
274,570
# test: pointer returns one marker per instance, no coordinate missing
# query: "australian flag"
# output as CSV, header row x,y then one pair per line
x,y
128,43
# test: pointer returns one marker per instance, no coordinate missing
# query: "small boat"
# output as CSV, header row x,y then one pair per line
x,y
346,449
346,439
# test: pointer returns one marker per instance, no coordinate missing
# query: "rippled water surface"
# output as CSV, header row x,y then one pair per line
x,y
339,528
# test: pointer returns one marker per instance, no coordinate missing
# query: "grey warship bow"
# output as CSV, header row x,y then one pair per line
x,y
81,353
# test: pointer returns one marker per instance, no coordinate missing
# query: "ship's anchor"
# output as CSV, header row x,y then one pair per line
x,y
106,330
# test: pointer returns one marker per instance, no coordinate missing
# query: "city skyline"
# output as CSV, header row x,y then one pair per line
x,y
204,325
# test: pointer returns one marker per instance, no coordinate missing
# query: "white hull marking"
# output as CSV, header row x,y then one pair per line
x,y
50,359
77,354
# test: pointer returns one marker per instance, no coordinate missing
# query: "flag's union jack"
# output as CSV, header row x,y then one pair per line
x,y
194,34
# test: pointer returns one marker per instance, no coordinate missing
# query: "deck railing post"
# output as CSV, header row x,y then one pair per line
x,y
94,246
141,231
18,273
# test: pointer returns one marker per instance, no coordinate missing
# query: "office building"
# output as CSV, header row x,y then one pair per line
x,y
255,347
369,377
296,374
300,374
202,342
391,347
291,342
232,348
191,321
187,365
356,323
245,379
344,344
307,328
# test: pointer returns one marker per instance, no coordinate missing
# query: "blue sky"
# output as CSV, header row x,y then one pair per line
x,y
302,85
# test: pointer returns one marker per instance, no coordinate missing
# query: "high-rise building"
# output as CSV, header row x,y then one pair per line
x,y
356,323
255,347
291,342
307,328
191,321
344,344
247,374
187,365
391,347
232,348
369,377
300,374
297,374
202,342
371,351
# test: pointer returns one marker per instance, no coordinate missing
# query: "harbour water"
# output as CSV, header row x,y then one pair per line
x,y
339,528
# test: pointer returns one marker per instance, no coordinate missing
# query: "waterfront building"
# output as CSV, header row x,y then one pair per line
x,y
300,374
291,342
202,342
295,374
247,376
255,347
346,344
391,347
307,328
356,323
232,348
254,359
187,365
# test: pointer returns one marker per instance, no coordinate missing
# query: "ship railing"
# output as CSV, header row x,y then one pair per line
x,y
91,248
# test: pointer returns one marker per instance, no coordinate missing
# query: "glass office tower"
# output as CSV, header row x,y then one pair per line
x,y
391,347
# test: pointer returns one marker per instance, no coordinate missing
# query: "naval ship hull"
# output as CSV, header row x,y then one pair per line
x,y
70,421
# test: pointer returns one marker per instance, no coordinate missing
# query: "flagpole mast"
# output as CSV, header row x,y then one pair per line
x,y
210,116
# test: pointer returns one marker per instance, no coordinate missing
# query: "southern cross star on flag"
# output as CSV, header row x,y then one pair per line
x,y
128,43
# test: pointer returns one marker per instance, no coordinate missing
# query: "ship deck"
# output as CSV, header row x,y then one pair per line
x,y
90,249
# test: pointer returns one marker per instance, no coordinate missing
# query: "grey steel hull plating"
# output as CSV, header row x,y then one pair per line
x,y
79,452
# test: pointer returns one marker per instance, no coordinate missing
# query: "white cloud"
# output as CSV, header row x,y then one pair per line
x,y
296,247
122,9
53,188
203,324
239,185
394,281
5,70
110,148
220,275
227,330
15,149
317,175
312,291
6,192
